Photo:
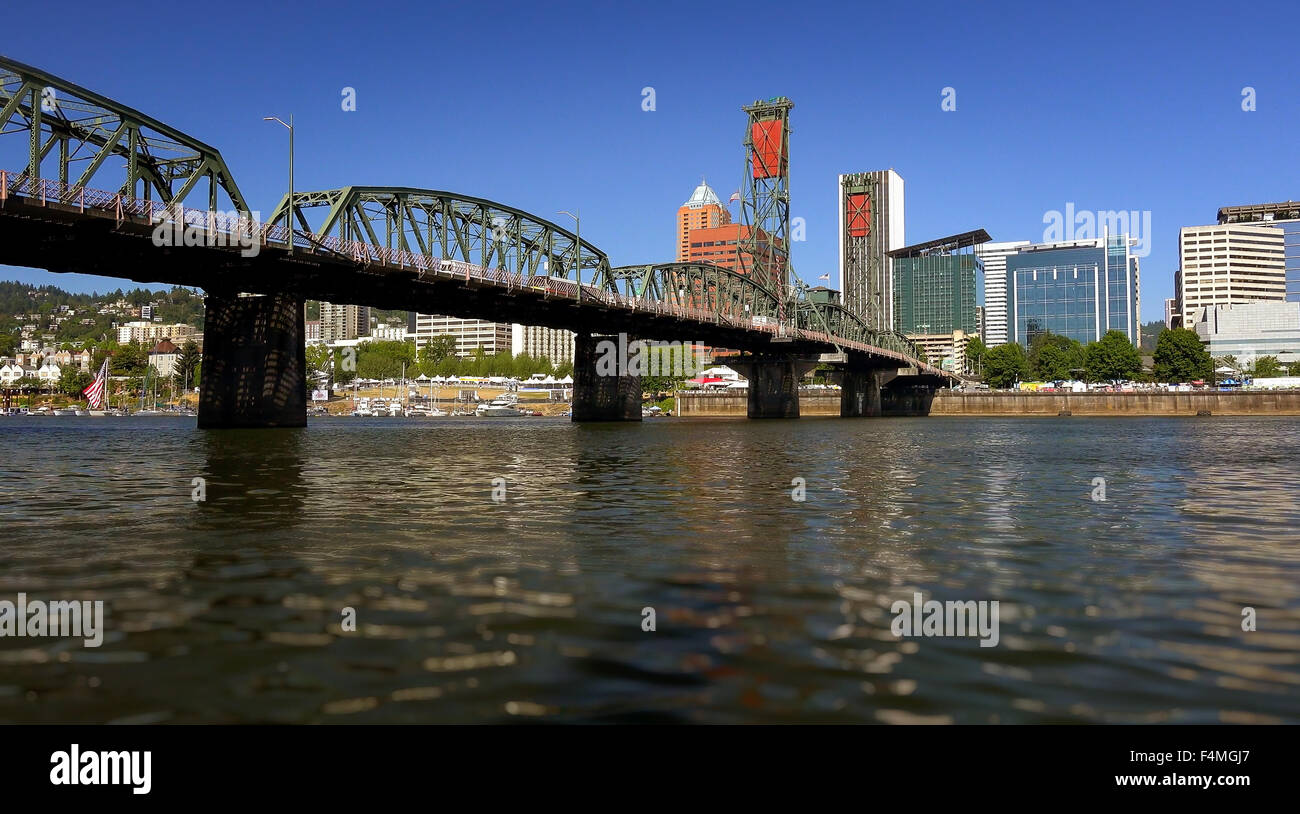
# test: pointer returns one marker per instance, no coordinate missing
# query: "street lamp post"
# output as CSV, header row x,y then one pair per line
x,y
288,214
577,247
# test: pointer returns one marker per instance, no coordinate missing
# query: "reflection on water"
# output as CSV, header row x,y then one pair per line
x,y
768,608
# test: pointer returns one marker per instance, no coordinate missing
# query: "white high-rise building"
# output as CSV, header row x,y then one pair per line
x,y
555,344
1227,264
470,334
890,234
343,321
994,257
1284,216
151,332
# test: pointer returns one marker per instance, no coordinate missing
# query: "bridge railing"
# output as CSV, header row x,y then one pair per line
x,y
217,228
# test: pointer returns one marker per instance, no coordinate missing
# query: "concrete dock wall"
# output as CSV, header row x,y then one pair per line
x,y
1213,402
735,403
947,402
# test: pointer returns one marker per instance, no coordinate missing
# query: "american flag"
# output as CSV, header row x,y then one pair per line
x,y
95,392
825,276
735,196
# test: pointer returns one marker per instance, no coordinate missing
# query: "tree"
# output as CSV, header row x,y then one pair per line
x,y
975,351
435,351
318,362
1180,356
1267,367
1150,335
1005,365
73,380
1113,358
1052,357
129,360
345,369
187,363
384,360
1228,361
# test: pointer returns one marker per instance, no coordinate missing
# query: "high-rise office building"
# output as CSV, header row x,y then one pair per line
x,y
1284,217
470,334
343,321
994,258
703,210
1225,264
706,234
934,294
871,225
1171,312
1075,288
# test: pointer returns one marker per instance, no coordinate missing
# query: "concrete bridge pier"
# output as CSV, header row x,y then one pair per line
x,y
773,390
859,394
254,362
603,390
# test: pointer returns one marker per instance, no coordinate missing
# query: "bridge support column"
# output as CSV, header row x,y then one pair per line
x,y
254,362
602,388
859,394
773,386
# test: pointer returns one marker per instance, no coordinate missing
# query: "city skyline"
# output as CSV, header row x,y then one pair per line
x,y
621,166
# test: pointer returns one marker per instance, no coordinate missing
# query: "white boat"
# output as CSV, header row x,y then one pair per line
x,y
65,411
424,412
502,406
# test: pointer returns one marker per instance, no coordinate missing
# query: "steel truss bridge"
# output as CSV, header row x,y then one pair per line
x,y
92,185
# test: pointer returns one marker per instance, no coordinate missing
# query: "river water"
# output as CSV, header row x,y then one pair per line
x,y
765,608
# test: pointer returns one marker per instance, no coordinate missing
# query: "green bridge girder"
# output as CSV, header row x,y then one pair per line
x,y
717,291
735,298
447,226
843,324
88,141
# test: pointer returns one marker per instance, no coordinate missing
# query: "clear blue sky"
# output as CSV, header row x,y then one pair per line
x,y
1107,105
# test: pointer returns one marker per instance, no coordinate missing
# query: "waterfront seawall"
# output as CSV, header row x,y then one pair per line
x,y
992,403
734,404
1213,402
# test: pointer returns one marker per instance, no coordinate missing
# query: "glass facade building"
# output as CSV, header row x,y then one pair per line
x,y
935,293
1080,289
1291,229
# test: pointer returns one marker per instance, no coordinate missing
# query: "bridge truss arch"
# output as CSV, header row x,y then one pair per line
x,y
842,324
713,291
446,226
74,139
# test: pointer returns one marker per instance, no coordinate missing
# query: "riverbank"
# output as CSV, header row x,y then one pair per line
x,y
997,403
